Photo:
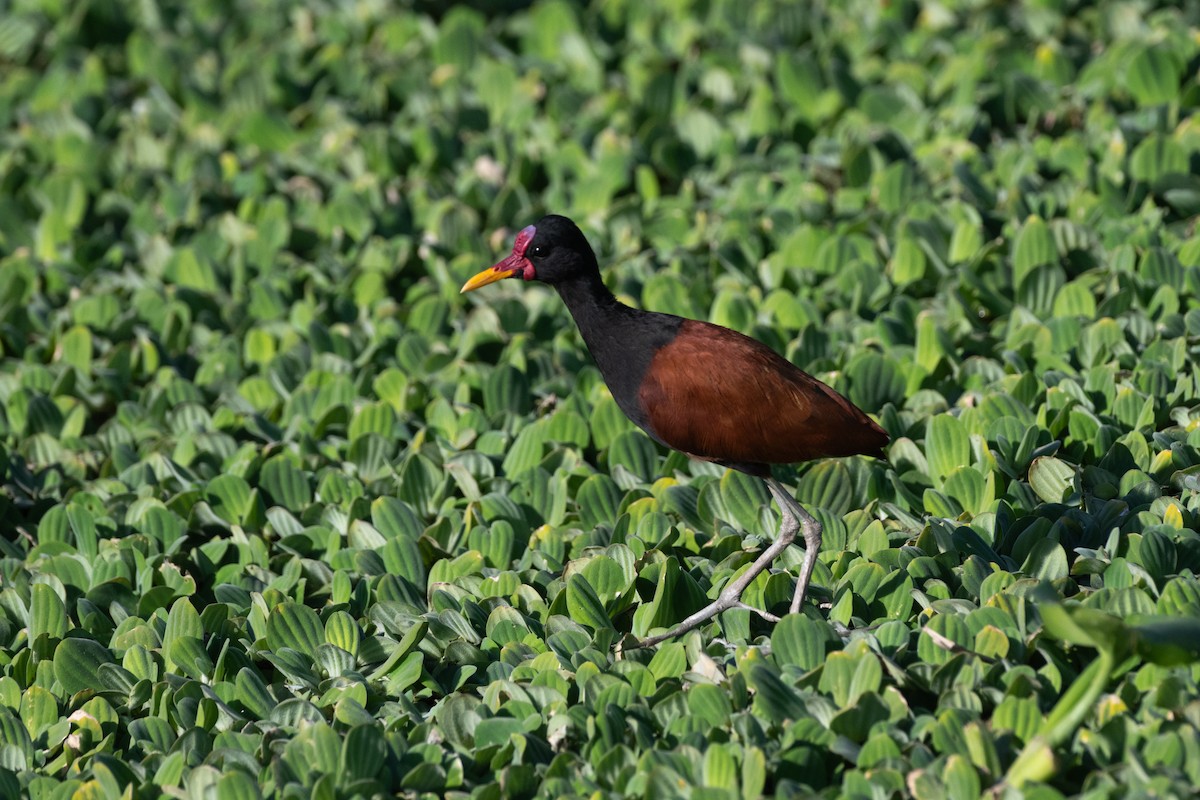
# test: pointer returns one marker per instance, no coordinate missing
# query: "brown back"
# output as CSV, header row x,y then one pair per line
x,y
721,396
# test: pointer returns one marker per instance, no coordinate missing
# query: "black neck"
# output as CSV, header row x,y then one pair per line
x,y
593,307
621,339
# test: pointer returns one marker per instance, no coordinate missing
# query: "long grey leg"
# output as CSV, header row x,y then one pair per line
x,y
812,538
794,518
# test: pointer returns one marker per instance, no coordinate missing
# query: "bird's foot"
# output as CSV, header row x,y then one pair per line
x,y
767,615
730,598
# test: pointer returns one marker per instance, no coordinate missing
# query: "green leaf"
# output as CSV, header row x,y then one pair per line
x,y
598,498
364,751
497,731
1168,641
1033,247
395,518
584,605
608,579
341,630
774,700
187,655
76,345
286,484
77,664
296,626
720,768
230,498
47,613
800,641
39,710
1156,158
1053,480
875,380
669,661
710,703
744,497
827,485
634,451
183,622
237,785
1153,74
506,390
1157,554
947,446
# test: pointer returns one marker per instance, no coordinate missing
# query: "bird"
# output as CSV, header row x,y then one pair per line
x,y
707,391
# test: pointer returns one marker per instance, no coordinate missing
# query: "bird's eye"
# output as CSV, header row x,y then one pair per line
x,y
537,251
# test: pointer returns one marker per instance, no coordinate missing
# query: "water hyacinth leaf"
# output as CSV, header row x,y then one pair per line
x,y
636,452
378,418
183,621
669,661
972,491
363,752
296,626
408,671
54,526
607,422
585,606
421,481
847,677
286,484
947,446
908,262
83,528
800,641
394,518
710,703
1157,554
875,380
1034,247
1052,479
77,664
598,498
961,778
237,785
163,525
1157,158
39,710
47,613
188,656
1153,74
1167,641
676,595
606,577
15,740
775,700
743,497
506,390
495,542
341,630
568,427
1046,560
1074,300
941,635
526,450
229,496
332,660
827,485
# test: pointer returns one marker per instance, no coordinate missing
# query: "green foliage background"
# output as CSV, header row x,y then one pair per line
x,y
284,515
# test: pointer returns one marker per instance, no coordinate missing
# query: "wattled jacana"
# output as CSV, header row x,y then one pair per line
x,y
705,390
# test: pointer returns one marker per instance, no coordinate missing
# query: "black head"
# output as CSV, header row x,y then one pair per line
x,y
552,250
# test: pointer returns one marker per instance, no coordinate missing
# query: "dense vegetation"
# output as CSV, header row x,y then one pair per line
x,y
281,514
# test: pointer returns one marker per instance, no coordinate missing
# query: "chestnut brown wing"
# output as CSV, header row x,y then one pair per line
x,y
721,396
